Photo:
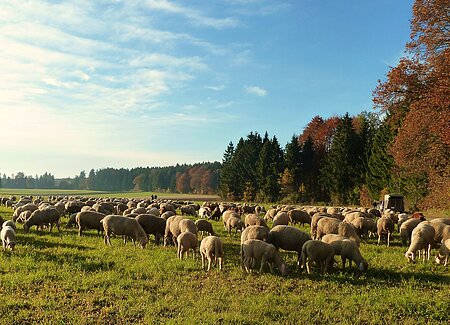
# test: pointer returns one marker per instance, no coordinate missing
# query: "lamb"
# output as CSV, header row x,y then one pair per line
x,y
123,226
8,237
299,216
261,252
186,240
204,226
422,238
172,229
255,232
9,223
236,224
152,225
281,218
348,249
288,238
319,252
327,226
89,220
347,230
211,248
43,217
407,228
385,225
188,225
443,255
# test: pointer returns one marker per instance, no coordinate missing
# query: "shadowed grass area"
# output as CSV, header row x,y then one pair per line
x,y
63,278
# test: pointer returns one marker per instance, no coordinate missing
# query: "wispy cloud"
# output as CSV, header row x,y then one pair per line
x,y
255,90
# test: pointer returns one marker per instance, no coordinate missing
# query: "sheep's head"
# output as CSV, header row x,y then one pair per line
x,y
363,266
143,241
439,259
283,269
409,256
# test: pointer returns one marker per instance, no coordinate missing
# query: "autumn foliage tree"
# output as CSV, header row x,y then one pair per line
x,y
416,98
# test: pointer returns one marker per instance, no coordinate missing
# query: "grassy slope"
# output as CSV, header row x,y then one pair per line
x,y
67,279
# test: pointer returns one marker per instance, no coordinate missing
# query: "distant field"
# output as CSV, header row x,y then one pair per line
x,y
46,192
63,278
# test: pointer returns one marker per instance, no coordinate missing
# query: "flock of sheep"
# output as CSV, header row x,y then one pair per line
x,y
334,231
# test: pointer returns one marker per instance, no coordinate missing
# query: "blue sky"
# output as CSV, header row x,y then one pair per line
x,y
94,84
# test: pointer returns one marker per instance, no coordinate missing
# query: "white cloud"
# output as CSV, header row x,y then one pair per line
x,y
255,90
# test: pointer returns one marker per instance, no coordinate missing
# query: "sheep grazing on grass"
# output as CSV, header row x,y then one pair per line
x,y
188,210
211,249
254,220
234,223
186,241
255,251
443,255
288,238
327,226
440,226
281,218
40,218
422,238
255,232
227,215
314,220
407,228
172,230
204,226
385,226
188,225
123,226
152,225
166,215
364,226
23,217
89,220
299,216
270,214
318,252
9,223
349,217
8,237
348,249
347,230
332,238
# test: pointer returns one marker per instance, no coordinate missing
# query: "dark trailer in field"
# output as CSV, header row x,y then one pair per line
x,y
394,202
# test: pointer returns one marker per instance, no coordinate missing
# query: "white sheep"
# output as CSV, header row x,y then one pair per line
x,y
348,249
422,238
186,241
10,223
407,228
318,252
123,226
385,225
255,250
8,237
327,226
212,250
443,255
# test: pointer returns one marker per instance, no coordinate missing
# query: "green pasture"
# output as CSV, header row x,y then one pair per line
x,y
62,278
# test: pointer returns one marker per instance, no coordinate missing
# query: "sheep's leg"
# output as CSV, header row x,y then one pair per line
x,y
203,260
308,266
209,264
344,261
220,263
388,238
263,263
429,251
379,239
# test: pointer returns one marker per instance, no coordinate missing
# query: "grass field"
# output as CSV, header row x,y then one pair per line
x,y
62,278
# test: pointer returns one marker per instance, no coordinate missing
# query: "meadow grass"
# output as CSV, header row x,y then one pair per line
x,y
66,279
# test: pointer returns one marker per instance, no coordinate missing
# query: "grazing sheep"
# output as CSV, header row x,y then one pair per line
x,y
299,216
385,225
9,223
255,251
422,238
332,238
40,218
327,226
188,210
407,228
347,230
172,229
8,237
255,232
166,215
23,217
204,212
402,217
212,250
186,241
281,218
204,226
74,206
152,225
439,226
123,226
348,249
349,217
228,214
288,238
188,225
319,252
443,255
27,207
89,220
364,226
314,220
236,224
72,221
254,220
270,214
